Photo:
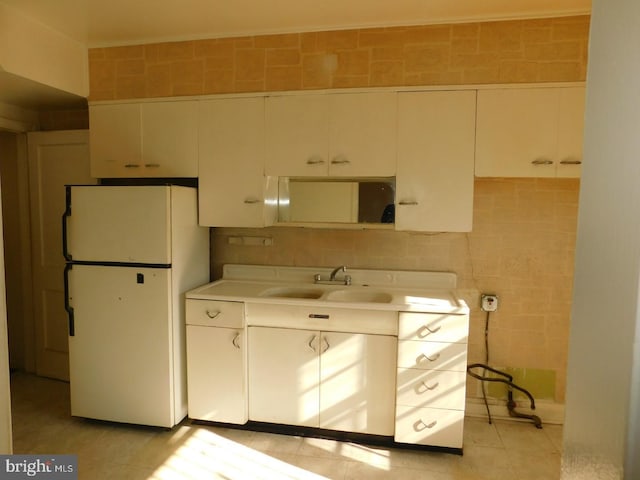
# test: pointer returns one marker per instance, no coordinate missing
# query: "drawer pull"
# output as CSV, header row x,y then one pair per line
x,y
419,389
429,330
319,315
235,340
211,314
420,425
431,358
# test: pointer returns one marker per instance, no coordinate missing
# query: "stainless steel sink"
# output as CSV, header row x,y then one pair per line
x,y
293,292
359,296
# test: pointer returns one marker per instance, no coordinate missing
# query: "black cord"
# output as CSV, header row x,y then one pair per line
x,y
486,362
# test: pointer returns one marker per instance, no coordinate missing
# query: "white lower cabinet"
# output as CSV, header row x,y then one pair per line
x,y
337,381
431,379
216,361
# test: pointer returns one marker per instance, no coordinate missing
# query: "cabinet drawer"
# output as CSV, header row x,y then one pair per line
x,y
432,355
429,426
431,388
375,322
433,327
215,314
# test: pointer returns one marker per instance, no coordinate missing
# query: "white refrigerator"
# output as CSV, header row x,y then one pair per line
x,y
132,252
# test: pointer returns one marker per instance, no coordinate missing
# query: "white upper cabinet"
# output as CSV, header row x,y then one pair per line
x,y
530,132
233,190
337,135
434,182
150,139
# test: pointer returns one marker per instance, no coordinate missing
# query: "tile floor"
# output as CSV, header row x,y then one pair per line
x,y
41,424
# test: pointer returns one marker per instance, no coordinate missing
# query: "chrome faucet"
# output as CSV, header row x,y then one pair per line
x,y
332,277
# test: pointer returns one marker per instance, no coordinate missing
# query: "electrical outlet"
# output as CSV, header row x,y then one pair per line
x,y
489,302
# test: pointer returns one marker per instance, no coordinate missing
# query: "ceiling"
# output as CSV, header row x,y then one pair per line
x,y
100,23
125,22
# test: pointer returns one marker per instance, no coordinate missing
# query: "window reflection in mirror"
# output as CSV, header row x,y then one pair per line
x,y
352,200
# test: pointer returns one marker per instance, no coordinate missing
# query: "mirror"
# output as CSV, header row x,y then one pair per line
x,y
336,200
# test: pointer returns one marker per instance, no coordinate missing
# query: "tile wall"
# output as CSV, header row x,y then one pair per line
x,y
523,240
546,50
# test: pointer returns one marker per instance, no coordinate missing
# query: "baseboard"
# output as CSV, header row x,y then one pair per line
x,y
549,412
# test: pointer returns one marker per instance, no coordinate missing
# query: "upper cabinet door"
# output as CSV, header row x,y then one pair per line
x,y
362,134
115,140
434,183
170,139
530,132
336,135
150,139
297,135
233,190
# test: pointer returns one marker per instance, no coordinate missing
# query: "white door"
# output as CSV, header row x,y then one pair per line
x,y
283,376
362,135
357,382
120,359
216,374
297,135
434,183
120,224
55,159
231,170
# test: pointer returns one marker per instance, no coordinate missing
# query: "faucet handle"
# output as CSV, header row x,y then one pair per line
x,y
347,279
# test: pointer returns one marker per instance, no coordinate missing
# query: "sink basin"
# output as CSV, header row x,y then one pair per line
x,y
292,292
359,296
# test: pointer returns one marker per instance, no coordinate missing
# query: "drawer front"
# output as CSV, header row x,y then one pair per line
x,y
433,327
211,313
348,320
431,388
429,426
432,355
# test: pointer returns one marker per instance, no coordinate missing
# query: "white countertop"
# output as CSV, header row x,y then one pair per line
x,y
405,299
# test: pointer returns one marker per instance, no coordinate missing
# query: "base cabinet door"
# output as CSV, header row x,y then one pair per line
x,y
357,382
283,376
216,374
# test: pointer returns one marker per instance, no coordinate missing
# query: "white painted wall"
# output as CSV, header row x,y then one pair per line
x,y
601,425
37,52
5,397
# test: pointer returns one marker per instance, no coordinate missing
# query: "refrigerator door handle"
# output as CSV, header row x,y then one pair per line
x,y
65,215
67,306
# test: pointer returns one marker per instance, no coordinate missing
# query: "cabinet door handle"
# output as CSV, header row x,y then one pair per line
x,y
340,160
326,342
432,358
427,387
252,201
235,340
407,202
152,165
420,425
311,344
315,160
429,330
570,161
211,314
131,165
542,161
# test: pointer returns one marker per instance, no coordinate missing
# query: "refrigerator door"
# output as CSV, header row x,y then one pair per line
x,y
123,224
121,350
